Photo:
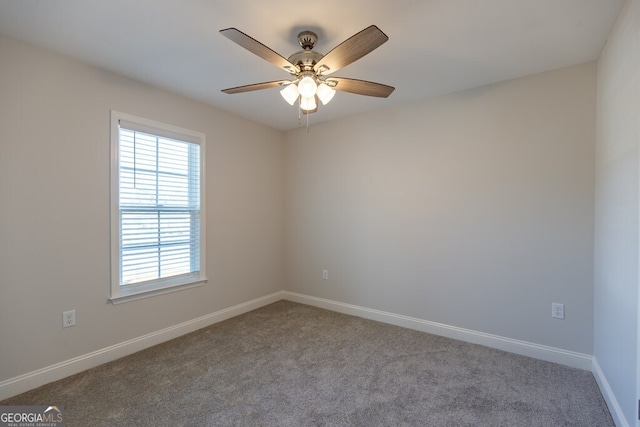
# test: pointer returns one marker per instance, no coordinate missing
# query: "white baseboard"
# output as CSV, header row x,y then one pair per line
x,y
31,380
551,354
614,407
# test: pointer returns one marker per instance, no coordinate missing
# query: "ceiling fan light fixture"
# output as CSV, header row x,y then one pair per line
x,y
309,69
308,103
325,93
307,87
290,93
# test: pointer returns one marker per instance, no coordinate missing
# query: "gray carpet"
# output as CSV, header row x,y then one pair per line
x,y
290,364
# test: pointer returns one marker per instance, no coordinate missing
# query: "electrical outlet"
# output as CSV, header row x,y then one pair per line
x,y
68,318
325,274
557,310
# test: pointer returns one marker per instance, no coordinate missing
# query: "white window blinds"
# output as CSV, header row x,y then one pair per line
x,y
159,207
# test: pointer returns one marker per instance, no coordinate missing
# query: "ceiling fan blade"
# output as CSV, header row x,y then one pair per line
x,y
360,87
254,46
352,49
255,86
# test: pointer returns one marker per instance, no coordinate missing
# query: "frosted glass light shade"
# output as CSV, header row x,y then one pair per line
x,y
308,103
307,87
325,93
290,93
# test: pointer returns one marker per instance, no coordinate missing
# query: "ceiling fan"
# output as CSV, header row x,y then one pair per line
x,y
310,70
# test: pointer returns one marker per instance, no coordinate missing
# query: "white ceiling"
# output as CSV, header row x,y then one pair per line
x,y
435,46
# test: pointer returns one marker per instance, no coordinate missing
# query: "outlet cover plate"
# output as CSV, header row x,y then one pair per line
x,y
68,318
557,310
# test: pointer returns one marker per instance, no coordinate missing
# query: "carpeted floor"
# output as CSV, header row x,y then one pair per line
x,y
289,364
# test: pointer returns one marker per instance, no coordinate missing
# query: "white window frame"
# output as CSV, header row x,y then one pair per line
x,y
127,293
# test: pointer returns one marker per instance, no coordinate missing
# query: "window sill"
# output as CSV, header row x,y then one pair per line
x,y
137,294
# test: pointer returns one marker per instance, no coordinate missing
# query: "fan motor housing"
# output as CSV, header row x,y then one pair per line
x,y
305,59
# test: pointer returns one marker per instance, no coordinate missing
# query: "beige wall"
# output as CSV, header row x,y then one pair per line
x,y
617,220
472,210
54,207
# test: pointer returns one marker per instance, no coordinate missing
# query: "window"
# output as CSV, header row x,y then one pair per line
x,y
157,208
